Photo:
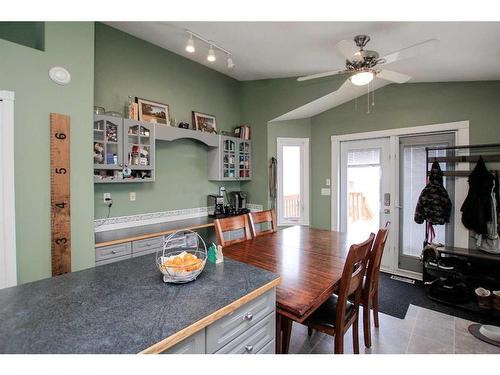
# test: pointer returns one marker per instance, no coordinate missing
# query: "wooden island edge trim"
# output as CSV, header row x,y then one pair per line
x,y
209,319
151,235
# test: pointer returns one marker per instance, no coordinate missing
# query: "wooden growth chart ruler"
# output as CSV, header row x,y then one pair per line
x,y
60,194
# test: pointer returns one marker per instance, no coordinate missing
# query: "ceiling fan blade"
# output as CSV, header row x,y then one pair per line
x,y
349,50
396,77
412,51
320,75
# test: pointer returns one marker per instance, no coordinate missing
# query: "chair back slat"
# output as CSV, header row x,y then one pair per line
x,y
375,257
260,217
231,224
351,281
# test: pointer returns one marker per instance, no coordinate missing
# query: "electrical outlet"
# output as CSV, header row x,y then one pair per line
x,y
325,191
107,197
132,196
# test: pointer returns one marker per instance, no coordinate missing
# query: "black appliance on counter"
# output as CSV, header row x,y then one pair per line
x,y
215,205
238,200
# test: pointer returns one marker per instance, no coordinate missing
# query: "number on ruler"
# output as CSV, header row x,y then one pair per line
x,y
61,205
60,136
60,170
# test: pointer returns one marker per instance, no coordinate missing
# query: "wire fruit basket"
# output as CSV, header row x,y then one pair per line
x,y
183,257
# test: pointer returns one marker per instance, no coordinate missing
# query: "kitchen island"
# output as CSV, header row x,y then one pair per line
x,y
125,307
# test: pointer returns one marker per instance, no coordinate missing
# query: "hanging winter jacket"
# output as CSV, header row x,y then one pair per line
x,y
476,209
434,204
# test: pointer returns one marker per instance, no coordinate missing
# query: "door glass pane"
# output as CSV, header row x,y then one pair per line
x,y
363,193
291,182
413,180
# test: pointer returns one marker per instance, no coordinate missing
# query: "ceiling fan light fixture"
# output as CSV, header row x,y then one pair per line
x,y
362,78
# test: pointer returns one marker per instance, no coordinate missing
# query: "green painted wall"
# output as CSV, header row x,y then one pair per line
x,y
125,65
264,100
25,71
399,106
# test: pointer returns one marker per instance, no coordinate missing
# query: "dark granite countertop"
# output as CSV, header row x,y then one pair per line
x,y
122,307
152,230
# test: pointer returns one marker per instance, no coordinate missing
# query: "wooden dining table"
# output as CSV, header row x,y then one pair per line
x,y
310,262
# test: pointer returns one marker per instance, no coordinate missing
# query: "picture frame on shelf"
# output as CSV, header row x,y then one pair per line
x,y
204,122
153,112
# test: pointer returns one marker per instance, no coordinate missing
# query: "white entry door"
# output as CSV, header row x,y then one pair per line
x,y
293,181
365,189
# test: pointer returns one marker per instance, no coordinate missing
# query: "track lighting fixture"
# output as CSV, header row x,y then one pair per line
x,y
211,54
190,44
211,57
230,63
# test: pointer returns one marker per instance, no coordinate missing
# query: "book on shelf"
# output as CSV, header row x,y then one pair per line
x,y
242,132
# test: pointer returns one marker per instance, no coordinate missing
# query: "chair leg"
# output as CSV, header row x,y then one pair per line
x,y
309,331
355,336
367,329
339,343
375,309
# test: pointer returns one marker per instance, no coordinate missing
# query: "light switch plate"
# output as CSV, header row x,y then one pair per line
x,y
325,191
328,182
132,196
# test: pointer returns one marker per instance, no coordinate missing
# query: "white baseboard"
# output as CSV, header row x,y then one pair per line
x,y
120,222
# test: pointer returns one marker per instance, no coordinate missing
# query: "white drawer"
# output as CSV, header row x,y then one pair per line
x,y
147,244
269,348
254,340
194,344
233,325
113,251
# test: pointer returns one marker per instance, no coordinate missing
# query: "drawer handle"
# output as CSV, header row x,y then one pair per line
x,y
248,316
249,348
113,251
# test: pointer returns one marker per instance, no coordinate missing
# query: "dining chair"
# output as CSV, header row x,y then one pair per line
x,y
262,217
230,224
370,284
337,314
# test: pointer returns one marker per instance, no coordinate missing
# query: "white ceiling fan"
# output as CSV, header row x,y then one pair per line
x,y
364,65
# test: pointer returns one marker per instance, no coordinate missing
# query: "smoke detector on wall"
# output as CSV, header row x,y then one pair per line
x,y
60,75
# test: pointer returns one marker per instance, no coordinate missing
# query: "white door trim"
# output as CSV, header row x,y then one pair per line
x,y
461,129
8,265
281,141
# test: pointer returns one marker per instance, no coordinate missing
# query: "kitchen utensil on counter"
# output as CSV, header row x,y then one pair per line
x,y
183,257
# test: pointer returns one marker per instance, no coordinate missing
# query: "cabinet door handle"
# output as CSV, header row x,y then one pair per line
x,y
248,316
113,251
249,348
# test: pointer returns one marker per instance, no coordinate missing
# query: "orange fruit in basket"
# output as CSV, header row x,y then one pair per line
x,y
177,261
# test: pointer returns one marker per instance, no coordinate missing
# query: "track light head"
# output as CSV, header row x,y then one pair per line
x,y
211,54
190,44
230,63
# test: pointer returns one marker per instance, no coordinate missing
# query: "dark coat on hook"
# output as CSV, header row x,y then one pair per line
x,y
434,204
476,209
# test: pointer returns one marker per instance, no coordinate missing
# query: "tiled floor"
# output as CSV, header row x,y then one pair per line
x,y
422,331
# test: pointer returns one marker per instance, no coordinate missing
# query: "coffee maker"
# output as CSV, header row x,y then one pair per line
x,y
215,205
238,200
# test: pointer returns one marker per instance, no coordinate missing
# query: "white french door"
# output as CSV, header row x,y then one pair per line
x,y
293,181
8,272
378,176
365,197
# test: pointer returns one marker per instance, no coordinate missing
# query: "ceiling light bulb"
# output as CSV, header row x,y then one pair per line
x,y
230,63
190,44
211,54
362,78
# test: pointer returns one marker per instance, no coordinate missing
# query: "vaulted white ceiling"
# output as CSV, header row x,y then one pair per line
x,y
468,51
